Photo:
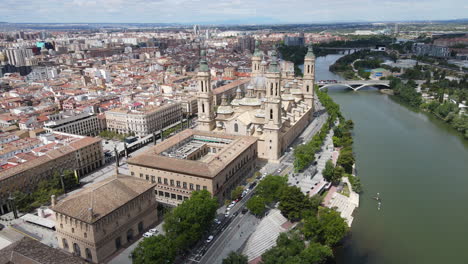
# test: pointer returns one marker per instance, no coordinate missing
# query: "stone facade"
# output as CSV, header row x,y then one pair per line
x,y
195,160
104,217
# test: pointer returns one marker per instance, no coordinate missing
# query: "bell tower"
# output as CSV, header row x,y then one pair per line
x,y
256,60
273,122
206,116
309,78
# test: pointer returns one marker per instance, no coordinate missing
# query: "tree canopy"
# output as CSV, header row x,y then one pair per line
x,y
156,249
235,258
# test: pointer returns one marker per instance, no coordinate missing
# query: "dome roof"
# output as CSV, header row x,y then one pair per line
x,y
224,109
250,101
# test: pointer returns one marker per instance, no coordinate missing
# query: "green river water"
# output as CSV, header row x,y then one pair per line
x,y
419,165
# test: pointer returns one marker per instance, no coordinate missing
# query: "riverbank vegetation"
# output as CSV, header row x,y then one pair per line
x,y
184,226
318,229
442,101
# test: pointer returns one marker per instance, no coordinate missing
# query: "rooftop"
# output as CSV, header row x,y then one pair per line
x,y
171,154
102,198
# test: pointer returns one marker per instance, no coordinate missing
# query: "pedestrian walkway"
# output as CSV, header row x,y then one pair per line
x,y
343,204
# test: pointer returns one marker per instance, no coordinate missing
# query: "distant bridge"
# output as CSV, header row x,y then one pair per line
x,y
356,85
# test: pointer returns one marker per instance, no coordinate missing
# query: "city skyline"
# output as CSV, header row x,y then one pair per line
x,y
228,12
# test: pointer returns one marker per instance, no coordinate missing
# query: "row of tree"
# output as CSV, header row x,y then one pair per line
x,y
318,229
184,226
57,185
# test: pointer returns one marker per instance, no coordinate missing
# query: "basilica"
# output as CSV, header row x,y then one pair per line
x,y
274,109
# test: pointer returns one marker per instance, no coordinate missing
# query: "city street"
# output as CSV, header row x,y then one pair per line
x,y
235,232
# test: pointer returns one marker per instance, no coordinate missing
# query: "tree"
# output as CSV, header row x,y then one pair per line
x,y
237,192
328,171
235,258
292,203
287,250
331,227
337,174
316,253
256,205
157,249
346,159
186,224
270,187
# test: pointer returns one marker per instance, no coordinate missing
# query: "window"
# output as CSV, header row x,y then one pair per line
x,y
203,108
191,186
147,177
178,184
172,182
205,188
271,113
179,197
140,227
198,187
85,235
165,181
153,179
76,249
88,254
236,127
173,196
307,87
159,180
184,185
167,194
132,173
129,235
65,243
73,230
141,175
118,243
161,193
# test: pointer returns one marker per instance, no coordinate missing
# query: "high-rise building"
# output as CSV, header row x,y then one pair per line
x,y
18,56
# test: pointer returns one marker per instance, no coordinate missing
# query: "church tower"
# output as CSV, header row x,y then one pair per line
x,y
273,122
309,77
206,116
256,60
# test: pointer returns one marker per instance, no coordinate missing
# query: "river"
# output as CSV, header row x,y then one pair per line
x,y
419,166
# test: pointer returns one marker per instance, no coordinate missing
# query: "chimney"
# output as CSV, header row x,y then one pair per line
x,y
53,200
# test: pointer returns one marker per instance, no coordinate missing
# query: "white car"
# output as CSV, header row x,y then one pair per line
x,y
210,238
217,221
227,214
153,231
148,234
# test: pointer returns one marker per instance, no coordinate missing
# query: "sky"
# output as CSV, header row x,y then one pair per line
x,y
231,11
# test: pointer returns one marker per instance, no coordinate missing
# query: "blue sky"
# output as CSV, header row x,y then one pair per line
x,y
218,11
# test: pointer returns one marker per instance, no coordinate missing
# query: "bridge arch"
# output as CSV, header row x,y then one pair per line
x,y
356,85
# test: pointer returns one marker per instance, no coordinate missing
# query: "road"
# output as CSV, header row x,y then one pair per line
x,y
234,232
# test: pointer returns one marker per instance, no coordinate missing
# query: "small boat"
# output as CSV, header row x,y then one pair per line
x,y
378,207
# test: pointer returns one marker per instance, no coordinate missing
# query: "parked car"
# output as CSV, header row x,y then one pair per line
x,y
153,230
226,214
244,210
217,221
210,238
148,234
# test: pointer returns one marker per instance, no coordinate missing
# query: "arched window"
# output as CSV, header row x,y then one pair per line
x,y
236,127
76,249
140,227
89,256
307,88
65,243
203,107
271,89
308,68
201,84
129,235
271,113
118,243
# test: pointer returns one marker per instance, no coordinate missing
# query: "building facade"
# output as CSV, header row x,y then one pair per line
x,y
143,121
195,160
85,124
104,217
